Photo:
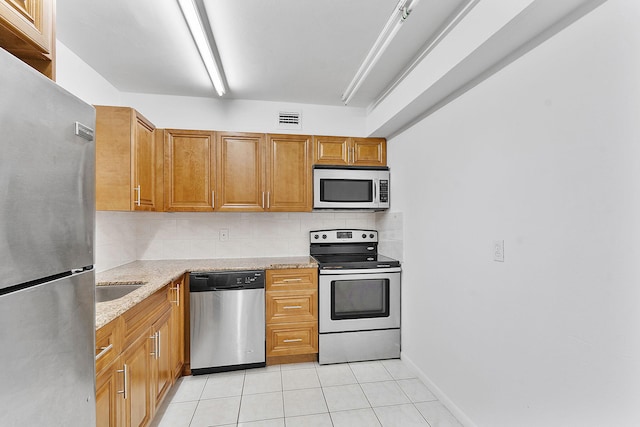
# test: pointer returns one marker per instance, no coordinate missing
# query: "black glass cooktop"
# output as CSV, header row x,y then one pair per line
x,y
353,261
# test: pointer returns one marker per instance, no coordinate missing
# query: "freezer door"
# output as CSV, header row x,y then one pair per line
x,y
47,366
47,177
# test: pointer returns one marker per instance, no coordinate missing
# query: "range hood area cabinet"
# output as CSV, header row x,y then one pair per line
x,y
128,161
345,151
237,172
27,31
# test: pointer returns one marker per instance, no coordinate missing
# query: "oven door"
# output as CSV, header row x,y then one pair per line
x,y
365,300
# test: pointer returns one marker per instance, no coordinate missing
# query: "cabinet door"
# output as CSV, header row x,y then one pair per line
x,y
109,397
176,297
161,353
240,177
369,152
27,31
189,178
144,165
289,173
137,366
330,150
128,161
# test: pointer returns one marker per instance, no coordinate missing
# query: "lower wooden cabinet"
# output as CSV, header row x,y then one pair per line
x,y
136,369
162,372
291,315
135,362
177,292
109,404
290,339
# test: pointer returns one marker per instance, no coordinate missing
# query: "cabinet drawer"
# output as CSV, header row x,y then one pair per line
x,y
285,340
292,306
287,280
136,321
107,344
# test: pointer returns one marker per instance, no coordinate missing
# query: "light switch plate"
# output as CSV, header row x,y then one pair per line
x,y
224,234
498,250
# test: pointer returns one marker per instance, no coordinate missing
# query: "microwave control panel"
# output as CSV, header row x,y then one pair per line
x,y
384,191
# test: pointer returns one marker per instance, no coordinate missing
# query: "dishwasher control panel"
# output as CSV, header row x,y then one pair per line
x,y
226,280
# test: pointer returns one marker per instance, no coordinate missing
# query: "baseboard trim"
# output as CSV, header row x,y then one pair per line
x,y
442,397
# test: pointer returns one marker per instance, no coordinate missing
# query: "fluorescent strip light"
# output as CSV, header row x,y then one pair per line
x,y
462,12
211,63
391,28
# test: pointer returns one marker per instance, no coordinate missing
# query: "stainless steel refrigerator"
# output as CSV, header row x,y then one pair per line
x,y
47,282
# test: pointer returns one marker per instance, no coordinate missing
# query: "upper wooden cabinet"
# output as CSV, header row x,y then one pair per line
x,y
289,173
343,151
189,170
240,176
128,161
27,30
258,173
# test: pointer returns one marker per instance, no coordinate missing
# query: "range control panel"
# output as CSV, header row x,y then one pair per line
x,y
343,236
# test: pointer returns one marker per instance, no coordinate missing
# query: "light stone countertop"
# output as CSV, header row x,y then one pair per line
x,y
156,274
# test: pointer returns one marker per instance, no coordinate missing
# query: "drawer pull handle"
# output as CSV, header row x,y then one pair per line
x,y
137,190
295,340
104,350
177,289
123,392
291,307
293,280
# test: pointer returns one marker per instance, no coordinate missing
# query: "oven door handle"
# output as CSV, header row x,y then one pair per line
x,y
362,271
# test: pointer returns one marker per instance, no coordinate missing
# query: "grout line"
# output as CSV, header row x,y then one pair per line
x,y
244,378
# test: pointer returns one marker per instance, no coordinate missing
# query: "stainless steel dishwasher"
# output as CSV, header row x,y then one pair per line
x,y
227,321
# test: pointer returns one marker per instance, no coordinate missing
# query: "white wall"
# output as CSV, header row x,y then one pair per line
x,y
249,116
544,154
73,74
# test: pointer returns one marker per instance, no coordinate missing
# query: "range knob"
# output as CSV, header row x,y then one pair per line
x,y
316,237
324,236
364,236
371,235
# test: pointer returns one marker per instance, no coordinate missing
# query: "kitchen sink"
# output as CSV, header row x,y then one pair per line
x,y
111,292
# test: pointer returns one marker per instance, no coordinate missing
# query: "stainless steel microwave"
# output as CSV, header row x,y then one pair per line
x,y
350,187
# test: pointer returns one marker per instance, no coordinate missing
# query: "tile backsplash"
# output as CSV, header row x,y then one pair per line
x,y
122,237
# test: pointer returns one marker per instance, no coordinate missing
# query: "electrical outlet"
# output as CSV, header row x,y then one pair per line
x,y
224,234
498,250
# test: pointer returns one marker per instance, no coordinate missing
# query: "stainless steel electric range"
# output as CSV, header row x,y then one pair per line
x,y
358,297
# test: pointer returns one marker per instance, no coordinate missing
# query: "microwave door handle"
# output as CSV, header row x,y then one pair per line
x,y
376,182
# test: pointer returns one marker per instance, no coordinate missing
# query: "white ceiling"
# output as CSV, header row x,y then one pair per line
x,y
298,51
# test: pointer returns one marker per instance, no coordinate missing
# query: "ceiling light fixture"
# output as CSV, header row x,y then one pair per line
x,y
400,14
209,56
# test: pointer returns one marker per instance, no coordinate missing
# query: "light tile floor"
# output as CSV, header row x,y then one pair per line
x,y
381,393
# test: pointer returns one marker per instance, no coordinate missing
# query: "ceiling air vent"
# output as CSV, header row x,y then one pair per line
x,y
289,120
